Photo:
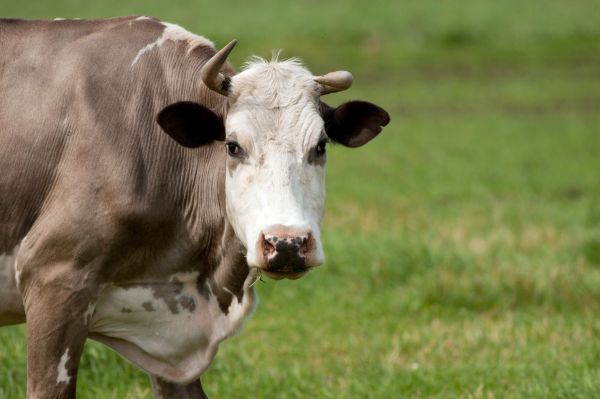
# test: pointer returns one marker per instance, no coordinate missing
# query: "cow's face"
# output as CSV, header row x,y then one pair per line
x,y
275,136
275,181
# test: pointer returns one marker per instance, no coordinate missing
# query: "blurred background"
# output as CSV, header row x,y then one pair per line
x,y
463,244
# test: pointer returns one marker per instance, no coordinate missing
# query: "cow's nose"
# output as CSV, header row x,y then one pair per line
x,y
286,251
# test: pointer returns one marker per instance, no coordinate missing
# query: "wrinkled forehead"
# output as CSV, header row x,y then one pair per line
x,y
274,98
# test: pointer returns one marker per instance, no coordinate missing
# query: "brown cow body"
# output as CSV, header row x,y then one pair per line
x,y
87,203
110,229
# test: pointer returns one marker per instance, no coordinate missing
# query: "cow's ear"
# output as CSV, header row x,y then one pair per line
x,y
191,124
354,123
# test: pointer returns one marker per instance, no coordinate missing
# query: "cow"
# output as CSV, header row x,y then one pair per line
x,y
145,186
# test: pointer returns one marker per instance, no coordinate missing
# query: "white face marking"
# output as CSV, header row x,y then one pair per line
x,y
175,346
274,116
62,373
174,33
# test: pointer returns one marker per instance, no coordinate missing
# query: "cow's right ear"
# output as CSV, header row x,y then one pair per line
x,y
190,124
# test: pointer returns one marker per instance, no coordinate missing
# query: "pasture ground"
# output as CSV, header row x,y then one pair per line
x,y
463,244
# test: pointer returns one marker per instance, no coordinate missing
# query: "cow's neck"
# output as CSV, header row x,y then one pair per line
x,y
200,186
205,216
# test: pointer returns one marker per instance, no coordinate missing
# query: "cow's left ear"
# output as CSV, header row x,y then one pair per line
x,y
190,124
354,123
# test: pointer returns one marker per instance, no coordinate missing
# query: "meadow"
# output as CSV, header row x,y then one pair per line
x,y
463,244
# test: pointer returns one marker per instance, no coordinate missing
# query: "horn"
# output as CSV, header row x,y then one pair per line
x,y
334,81
210,73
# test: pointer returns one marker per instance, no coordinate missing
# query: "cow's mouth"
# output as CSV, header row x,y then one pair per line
x,y
292,273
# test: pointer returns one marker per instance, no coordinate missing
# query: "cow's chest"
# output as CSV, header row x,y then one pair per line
x,y
170,328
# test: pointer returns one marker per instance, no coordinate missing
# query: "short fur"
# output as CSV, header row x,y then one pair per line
x,y
92,190
108,225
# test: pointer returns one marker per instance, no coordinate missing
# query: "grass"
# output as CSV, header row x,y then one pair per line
x,y
463,244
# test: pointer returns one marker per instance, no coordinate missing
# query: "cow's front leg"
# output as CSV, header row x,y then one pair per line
x,y
59,302
163,389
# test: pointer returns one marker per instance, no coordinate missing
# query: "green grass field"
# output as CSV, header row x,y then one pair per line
x,y
463,245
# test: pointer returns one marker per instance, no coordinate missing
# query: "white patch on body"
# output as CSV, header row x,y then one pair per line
x,y
8,264
175,346
17,276
87,316
63,374
275,117
174,33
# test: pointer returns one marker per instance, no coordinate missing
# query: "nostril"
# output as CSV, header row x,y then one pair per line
x,y
269,243
306,244
303,247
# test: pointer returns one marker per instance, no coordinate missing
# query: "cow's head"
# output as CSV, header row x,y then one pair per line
x,y
275,134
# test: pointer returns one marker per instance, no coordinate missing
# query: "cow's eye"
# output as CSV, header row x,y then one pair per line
x,y
320,149
234,149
